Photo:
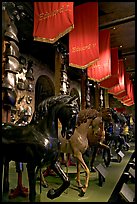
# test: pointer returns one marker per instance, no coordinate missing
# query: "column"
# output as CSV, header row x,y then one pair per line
x,y
106,98
83,89
57,72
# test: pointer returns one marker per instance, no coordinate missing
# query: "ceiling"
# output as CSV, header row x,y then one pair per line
x,y
119,17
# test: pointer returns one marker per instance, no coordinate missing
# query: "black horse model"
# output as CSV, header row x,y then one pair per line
x,y
37,143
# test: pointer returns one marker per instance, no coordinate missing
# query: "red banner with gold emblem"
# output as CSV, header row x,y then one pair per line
x,y
113,79
101,69
52,20
121,86
83,39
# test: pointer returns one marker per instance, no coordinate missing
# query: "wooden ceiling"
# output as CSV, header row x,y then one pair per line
x,y
119,17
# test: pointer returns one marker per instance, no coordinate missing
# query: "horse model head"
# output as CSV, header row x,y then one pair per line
x,y
68,115
62,107
106,114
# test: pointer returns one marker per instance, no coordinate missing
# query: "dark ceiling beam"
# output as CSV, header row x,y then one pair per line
x,y
117,22
128,53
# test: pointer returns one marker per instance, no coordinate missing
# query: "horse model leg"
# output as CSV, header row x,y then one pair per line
x,y
20,190
87,172
78,175
93,159
106,149
6,177
41,178
32,181
54,193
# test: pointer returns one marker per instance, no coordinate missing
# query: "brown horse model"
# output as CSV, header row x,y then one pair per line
x,y
89,131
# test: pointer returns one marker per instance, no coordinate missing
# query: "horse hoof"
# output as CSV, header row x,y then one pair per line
x,y
51,194
82,193
80,186
92,169
45,185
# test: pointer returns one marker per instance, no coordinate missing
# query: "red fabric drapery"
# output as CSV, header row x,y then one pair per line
x,y
130,95
127,88
121,86
129,103
83,39
101,69
52,20
113,80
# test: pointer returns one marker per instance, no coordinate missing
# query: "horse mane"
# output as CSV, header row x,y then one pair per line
x,y
43,108
85,114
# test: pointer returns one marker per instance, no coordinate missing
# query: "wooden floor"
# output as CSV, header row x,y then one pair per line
x,y
95,193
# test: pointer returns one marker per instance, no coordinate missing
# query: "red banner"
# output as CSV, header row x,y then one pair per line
x,y
113,80
129,104
130,95
83,39
121,86
52,20
127,88
101,69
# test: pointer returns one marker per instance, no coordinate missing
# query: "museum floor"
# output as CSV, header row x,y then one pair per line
x,y
94,193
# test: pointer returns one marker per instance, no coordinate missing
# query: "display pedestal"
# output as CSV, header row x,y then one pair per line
x,y
101,173
127,193
19,190
120,155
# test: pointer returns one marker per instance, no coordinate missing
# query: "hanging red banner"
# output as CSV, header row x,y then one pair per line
x,y
121,86
83,39
129,103
52,20
113,79
127,88
101,69
130,96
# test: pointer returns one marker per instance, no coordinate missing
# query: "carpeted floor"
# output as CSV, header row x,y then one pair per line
x,y
94,193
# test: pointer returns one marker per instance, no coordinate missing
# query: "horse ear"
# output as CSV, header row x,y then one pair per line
x,y
76,99
73,98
